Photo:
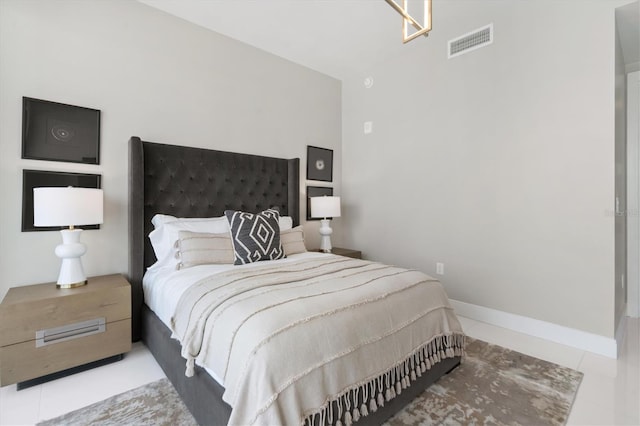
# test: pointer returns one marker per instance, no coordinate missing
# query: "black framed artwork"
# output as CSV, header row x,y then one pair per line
x,y
59,132
319,164
316,191
40,178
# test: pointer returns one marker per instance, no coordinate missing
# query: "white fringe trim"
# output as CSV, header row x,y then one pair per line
x,y
190,367
352,404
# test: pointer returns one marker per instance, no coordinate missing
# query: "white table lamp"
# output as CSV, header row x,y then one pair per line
x,y
326,208
70,206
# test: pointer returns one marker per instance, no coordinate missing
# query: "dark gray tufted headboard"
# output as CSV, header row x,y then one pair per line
x,y
195,182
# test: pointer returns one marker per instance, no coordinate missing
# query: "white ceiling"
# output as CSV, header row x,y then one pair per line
x,y
335,37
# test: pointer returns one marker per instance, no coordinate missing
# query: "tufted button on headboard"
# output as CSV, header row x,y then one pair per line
x,y
195,182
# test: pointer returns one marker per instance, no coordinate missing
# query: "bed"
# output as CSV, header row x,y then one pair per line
x,y
198,183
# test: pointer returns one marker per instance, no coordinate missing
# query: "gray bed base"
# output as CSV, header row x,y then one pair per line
x,y
203,395
169,179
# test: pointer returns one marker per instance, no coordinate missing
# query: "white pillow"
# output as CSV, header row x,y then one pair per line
x,y
198,248
164,237
285,222
160,219
165,234
292,241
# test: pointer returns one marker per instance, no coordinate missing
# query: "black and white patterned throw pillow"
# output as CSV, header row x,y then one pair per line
x,y
255,236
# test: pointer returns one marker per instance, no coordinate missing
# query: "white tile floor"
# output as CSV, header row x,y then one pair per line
x,y
57,397
609,393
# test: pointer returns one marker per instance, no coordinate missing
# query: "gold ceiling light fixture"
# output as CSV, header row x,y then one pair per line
x,y
421,29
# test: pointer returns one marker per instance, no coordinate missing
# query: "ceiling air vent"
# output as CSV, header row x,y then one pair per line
x,y
471,41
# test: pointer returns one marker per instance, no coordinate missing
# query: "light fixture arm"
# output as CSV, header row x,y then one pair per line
x,y
408,19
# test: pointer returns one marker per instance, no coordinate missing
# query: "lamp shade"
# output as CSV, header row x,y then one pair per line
x,y
325,207
70,206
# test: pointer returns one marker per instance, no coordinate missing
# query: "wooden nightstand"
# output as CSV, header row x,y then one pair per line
x,y
47,332
356,254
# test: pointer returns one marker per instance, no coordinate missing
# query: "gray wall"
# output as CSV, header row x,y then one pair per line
x,y
153,76
498,163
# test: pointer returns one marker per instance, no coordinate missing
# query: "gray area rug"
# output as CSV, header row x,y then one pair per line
x,y
493,385
497,386
157,403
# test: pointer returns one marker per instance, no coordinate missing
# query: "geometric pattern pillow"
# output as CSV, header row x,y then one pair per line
x,y
255,236
292,241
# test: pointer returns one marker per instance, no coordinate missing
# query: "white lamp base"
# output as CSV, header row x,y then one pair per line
x,y
70,251
326,231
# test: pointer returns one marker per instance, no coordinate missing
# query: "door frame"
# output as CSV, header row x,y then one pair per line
x,y
633,194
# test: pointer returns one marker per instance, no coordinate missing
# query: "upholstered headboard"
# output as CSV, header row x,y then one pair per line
x,y
195,182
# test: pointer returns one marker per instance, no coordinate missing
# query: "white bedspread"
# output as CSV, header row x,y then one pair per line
x,y
289,338
163,287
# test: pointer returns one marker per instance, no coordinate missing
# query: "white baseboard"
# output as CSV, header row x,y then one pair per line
x,y
545,330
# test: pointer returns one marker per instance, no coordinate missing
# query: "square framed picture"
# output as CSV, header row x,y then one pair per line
x,y
60,132
319,164
39,178
316,191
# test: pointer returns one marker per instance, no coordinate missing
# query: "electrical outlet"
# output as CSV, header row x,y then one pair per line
x,y
440,268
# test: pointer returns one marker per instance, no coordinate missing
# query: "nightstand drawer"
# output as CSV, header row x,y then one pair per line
x,y
60,307
46,332
25,361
